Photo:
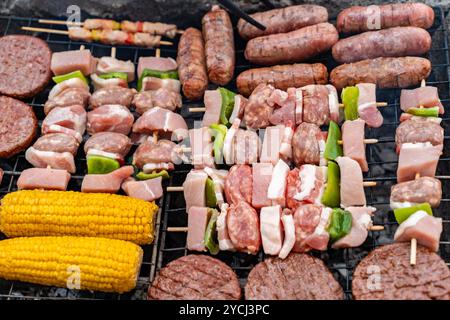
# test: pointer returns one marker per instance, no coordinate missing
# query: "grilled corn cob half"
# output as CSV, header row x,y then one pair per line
x,y
35,213
84,263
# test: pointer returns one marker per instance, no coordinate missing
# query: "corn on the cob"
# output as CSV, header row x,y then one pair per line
x,y
85,263
34,213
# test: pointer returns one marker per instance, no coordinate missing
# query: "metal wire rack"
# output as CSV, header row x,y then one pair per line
x,y
382,161
169,246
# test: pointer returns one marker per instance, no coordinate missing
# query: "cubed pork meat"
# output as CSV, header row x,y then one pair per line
x,y
201,148
417,158
198,218
305,185
43,178
112,95
333,103
110,118
316,108
367,105
361,221
162,120
109,64
100,83
352,188
287,220
71,83
305,144
73,118
307,219
427,97
194,189
114,143
273,138
423,227
239,106
353,142
163,98
148,190
54,160
285,152
68,61
68,97
152,84
277,187
213,106
229,142
410,193
218,177
156,63
151,152
225,243
57,142
106,183
262,175
284,106
419,130
247,147
271,229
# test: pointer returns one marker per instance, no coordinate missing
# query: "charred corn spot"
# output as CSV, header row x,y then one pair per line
x,y
88,263
34,213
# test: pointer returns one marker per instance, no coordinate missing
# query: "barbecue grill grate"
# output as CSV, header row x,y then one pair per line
x,y
169,246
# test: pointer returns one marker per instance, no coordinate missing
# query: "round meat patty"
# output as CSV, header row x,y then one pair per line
x,y
298,277
25,66
386,274
195,277
18,126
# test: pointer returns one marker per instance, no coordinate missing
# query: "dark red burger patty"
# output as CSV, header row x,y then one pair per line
x,y
298,277
386,274
25,65
195,277
18,126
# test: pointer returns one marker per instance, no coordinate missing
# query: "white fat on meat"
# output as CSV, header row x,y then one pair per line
x,y
367,105
194,189
273,138
54,160
69,83
201,148
225,243
228,144
218,177
307,175
147,190
286,143
277,186
213,106
43,178
298,106
54,128
423,227
352,187
271,229
289,235
322,144
106,183
110,64
238,109
318,240
150,167
333,103
361,221
198,218
418,158
101,153
110,118
152,84
398,205
100,83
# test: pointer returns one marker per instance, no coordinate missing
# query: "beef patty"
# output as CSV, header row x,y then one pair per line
x,y
25,65
298,277
18,126
195,277
386,274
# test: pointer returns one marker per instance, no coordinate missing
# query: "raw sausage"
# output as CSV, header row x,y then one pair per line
x,y
360,19
257,112
419,131
424,189
243,227
294,46
192,64
282,77
393,42
384,72
239,184
305,144
316,109
219,46
283,20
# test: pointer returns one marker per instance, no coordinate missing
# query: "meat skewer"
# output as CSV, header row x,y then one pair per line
x,y
155,28
112,37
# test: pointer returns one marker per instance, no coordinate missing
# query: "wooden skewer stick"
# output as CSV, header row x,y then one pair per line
x,y
379,104
376,228
369,183
185,229
366,141
113,52
63,32
199,109
175,189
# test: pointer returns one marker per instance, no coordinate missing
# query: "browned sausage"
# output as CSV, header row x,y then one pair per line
x,y
219,45
393,42
192,64
283,20
384,72
294,46
360,19
282,77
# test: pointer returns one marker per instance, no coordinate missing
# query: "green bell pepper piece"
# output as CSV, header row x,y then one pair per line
x,y
146,176
156,74
211,242
332,195
402,214
211,200
340,224
101,165
67,76
349,98
114,75
227,106
332,148
424,112
219,131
